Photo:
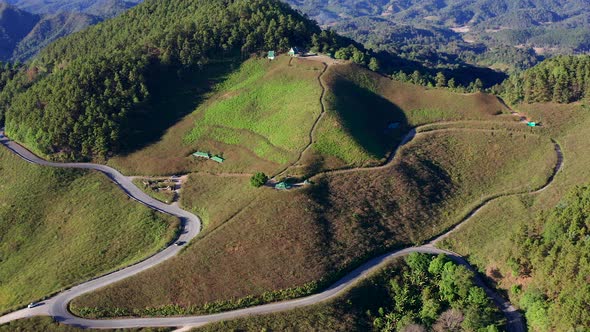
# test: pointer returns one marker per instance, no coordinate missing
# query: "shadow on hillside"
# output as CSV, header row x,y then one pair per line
x,y
366,116
174,93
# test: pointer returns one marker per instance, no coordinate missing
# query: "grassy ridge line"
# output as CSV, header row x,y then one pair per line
x,y
413,133
314,127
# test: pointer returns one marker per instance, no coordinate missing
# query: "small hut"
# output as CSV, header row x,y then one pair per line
x,y
218,159
271,55
201,154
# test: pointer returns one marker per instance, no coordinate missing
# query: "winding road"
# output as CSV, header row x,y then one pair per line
x,y
57,306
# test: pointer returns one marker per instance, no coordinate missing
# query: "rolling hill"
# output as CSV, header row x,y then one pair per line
x,y
86,227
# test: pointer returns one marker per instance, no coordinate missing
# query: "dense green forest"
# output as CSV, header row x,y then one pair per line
x,y
433,293
85,87
554,253
562,79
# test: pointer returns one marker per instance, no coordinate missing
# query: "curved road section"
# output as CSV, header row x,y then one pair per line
x,y
57,306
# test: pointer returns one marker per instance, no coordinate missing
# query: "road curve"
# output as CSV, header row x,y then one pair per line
x,y
57,306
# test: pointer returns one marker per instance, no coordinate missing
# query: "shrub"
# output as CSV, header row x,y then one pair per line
x,y
258,180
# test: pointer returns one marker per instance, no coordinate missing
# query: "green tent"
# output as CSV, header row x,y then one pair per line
x,y
271,55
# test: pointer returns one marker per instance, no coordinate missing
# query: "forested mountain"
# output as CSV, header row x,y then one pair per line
x,y
562,79
554,252
79,94
500,33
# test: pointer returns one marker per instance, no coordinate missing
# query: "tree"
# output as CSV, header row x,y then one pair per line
x,y
449,321
478,85
441,80
258,180
452,84
374,64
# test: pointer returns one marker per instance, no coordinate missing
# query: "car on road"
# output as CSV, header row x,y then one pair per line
x,y
179,243
33,304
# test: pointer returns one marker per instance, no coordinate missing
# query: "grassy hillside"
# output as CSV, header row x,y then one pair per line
x,y
279,240
258,118
492,240
260,123
60,227
361,104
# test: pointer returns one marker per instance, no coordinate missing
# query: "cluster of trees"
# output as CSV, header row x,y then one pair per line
x,y
562,79
433,293
82,109
87,85
7,72
258,180
439,80
555,253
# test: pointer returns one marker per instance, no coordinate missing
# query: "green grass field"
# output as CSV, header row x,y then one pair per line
x,y
361,104
258,118
60,227
281,240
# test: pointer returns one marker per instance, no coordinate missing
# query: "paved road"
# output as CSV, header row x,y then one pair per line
x,y
57,305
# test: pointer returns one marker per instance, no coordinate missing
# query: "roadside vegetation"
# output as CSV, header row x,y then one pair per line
x,y
418,293
86,226
318,233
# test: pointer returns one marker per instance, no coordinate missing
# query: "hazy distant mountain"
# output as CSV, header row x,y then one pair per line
x,y
26,26
101,8
490,32
15,25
